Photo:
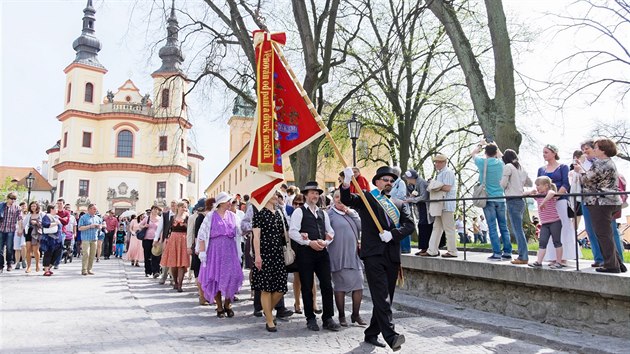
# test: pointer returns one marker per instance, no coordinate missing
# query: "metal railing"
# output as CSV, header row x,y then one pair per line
x,y
571,196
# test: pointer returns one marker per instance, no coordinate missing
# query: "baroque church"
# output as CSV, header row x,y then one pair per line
x,y
122,149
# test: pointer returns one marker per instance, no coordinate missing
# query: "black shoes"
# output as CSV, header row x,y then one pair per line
x,y
258,313
271,329
374,341
284,313
312,325
331,325
397,343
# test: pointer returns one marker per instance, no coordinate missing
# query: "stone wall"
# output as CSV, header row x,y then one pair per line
x,y
602,312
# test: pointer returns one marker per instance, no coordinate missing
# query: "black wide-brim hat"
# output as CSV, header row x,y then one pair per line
x,y
311,186
384,171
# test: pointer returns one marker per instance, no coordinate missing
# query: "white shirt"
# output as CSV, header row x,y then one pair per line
x,y
296,225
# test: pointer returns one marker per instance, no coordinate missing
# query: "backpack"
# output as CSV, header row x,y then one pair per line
x,y
621,183
622,188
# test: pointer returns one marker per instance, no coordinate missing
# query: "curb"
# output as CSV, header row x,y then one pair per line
x,y
538,333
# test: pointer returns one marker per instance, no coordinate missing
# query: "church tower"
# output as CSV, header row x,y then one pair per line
x,y
84,76
169,81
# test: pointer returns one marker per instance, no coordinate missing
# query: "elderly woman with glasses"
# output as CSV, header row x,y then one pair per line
x,y
559,174
602,177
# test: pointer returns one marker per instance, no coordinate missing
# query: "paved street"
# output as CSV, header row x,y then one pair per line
x,y
119,310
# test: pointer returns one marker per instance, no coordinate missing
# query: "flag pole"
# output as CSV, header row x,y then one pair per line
x,y
318,118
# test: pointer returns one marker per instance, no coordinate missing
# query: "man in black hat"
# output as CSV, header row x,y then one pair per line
x,y
380,252
311,233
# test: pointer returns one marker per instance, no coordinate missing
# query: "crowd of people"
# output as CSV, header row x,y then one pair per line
x,y
336,238
506,184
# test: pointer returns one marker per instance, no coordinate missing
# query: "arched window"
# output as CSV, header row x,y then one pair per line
x,y
89,92
124,146
69,95
165,97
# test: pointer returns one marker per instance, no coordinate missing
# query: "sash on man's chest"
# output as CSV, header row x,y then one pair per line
x,y
390,208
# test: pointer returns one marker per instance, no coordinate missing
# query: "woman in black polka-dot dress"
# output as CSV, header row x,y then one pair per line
x,y
269,275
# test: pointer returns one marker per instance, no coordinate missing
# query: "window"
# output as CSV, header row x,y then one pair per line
x,y
87,140
161,190
165,97
190,175
181,191
61,189
330,185
89,92
69,93
181,145
183,100
65,139
124,146
84,188
163,143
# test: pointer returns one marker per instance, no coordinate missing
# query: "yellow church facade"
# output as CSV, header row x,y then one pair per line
x,y
235,177
123,150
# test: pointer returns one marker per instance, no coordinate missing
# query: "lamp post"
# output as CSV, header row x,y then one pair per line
x,y
29,184
354,130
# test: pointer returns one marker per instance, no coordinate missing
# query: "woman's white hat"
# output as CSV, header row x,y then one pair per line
x,y
223,197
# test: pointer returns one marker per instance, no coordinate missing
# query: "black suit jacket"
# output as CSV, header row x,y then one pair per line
x,y
371,243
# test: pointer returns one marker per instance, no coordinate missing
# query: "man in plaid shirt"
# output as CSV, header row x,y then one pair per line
x,y
11,215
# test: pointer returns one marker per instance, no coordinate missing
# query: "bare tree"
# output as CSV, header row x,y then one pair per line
x,y
496,115
603,58
229,57
412,93
619,132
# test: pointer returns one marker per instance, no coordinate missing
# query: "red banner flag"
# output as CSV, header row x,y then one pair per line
x,y
284,122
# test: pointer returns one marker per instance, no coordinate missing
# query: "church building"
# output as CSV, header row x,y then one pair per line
x,y
123,149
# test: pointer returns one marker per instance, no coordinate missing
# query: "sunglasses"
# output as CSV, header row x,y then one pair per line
x,y
13,198
385,179
299,204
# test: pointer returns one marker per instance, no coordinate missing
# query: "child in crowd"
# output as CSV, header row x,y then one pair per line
x,y
120,240
549,219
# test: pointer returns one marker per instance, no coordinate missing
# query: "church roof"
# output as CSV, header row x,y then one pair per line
x,y
87,45
171,53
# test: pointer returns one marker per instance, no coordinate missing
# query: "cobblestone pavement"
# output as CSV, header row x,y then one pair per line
x,y
119,310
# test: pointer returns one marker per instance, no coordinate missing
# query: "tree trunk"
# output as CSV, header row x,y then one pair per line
x,y
496,116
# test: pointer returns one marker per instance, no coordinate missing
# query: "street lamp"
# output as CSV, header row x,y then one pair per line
x,y
29,184
354,130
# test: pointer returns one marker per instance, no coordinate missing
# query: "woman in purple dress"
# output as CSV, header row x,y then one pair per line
x,y
220,275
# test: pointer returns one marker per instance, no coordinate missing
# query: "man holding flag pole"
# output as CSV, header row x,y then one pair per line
x,y
286,122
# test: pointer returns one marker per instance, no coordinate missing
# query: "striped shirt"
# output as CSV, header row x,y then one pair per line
x,y
12,215
549,213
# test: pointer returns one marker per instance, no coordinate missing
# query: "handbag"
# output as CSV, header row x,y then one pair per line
x,y
479,191
51,229
287,250
140,234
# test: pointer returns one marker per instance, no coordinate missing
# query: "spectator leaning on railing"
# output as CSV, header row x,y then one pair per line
x,y
513,180
602,177
495,208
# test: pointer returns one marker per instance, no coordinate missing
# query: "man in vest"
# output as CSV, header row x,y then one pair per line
x,y
380,251
311,233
